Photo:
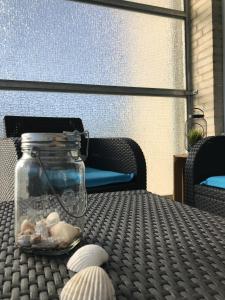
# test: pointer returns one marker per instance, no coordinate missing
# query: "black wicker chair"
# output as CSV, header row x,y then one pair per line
x,y
115,154
206,159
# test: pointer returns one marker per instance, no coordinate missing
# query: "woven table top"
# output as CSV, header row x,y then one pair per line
x,y
158,249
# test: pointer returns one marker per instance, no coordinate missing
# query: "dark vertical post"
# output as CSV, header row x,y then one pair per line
x,y
188,55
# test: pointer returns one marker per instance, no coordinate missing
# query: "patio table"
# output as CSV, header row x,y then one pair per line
x,y
158,249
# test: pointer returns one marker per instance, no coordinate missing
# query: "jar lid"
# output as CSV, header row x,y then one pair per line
x,y
52,139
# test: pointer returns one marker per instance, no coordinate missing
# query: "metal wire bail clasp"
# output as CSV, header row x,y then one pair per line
x,y
75,136
86,135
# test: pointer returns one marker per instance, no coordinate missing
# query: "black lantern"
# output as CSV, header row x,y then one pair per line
x,y
196,128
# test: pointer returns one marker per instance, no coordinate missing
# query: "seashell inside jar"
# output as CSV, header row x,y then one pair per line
x,y
48,234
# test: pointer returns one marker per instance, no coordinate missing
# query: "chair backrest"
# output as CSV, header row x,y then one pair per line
x,y
17,125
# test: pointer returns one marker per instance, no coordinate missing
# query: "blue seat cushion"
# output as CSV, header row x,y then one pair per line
x,y
215,181
97,177
93,177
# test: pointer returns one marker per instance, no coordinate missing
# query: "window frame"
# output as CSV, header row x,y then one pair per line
x,y
187,93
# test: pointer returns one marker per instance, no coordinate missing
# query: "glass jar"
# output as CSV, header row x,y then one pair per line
x,y
50,193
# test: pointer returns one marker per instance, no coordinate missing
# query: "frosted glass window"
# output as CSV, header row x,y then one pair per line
x,y
65,41
172,4
157,124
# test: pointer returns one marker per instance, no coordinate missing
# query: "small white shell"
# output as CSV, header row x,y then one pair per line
x,y
24,240
86,256
64,233
90,283
41,229
52,219
48,243
27,227
35,238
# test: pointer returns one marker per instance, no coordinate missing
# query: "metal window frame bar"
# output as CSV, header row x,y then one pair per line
x,y
138,7
89,89
21,85
188,57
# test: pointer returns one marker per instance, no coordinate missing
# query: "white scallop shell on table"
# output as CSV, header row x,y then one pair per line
x,y
86,256
92,283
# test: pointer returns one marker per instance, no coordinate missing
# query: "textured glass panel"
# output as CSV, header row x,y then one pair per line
x,y
65,41
173,4
157,124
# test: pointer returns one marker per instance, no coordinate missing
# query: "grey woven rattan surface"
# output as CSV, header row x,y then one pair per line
x,y
190,172
158,250
206,159
8,159
210,199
